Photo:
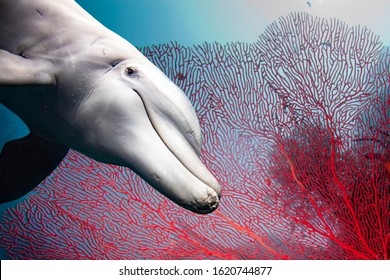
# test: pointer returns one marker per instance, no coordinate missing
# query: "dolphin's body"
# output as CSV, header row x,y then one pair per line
x,y
78,85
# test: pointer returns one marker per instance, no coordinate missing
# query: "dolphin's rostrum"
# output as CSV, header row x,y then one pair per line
x,y
78,85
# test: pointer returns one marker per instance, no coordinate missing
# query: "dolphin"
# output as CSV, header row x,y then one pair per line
x,y
78,85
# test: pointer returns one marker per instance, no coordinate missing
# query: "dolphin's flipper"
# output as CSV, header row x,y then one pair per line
x,y
17,70
24,163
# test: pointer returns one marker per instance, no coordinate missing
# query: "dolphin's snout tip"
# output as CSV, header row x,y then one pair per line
x,y
208,205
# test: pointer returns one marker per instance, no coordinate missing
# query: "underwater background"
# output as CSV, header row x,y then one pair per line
x,y
293,99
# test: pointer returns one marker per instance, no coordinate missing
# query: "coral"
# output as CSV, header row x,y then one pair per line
x,y
296,130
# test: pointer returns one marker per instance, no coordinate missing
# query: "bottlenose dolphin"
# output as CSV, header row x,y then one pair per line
x,y
78,85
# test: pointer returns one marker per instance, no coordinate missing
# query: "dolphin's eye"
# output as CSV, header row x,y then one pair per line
x,y
130,71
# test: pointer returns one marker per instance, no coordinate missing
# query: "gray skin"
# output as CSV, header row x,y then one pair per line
x,y
78,85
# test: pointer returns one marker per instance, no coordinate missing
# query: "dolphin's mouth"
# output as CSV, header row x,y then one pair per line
x,y
186,152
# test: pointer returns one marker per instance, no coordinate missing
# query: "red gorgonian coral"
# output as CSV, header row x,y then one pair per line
x,y
296,129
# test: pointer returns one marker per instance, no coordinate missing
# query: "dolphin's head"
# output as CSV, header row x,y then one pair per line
x,y
134,116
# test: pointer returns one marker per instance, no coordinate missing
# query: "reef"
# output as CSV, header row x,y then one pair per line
x,y
296,130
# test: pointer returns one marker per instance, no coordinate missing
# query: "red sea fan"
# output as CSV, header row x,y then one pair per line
x,y
296,129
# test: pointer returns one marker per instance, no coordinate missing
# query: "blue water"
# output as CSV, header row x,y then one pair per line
x,y
189,22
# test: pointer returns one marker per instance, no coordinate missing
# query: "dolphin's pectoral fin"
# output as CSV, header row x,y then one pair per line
x,y
24,163
17,70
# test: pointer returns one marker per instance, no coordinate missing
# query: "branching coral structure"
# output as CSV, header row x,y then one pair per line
x,y
296,130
